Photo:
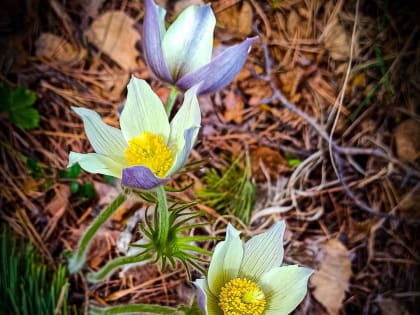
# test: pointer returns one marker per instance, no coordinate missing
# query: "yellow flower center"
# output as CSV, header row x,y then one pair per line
x,y
150,150
241,297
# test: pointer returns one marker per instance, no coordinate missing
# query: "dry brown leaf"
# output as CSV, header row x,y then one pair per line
x,y
293,22
234,108
113,33
107,194
56,48
235,21
60,200
409,204
407,140
337,40
180,5
331,281
271,160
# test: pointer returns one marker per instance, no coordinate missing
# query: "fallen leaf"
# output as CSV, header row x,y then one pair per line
x,y
235,21
271,160
257,89
180,5
337,41
409,204
113,34
407,140
91,7
234,108
107,194
293,22
331,281
60,201
56,48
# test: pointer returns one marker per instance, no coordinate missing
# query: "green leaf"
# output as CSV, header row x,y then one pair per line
x,y
25,118
74,187
293,162
70,173
18,104
21,98
87,191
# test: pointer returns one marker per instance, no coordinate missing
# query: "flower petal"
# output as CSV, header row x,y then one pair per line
x,y
188,42
96,163
226,260
220,71
263,252
181,157
285,287
206,300
153,32
184,129
105,140
141,177
143,111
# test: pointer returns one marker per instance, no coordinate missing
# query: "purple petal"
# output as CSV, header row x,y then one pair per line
x,y
141,177
220,71
188,42
189,135
201,297
153,29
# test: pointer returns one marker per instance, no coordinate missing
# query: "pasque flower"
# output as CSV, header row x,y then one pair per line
x,y
148,148
248,280
181,55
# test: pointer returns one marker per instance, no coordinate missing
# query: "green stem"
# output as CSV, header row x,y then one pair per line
x,y
131,309
163,216
109,268
78,258
171,100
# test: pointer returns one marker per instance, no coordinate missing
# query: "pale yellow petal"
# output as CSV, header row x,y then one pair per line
x,y
284,287
226,260
263,252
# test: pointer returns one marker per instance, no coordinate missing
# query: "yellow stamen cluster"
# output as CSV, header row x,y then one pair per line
x,y
242,297
148,149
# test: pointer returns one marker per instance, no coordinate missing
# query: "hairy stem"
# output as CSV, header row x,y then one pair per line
x,y
111,266
163,215
131,309
78,258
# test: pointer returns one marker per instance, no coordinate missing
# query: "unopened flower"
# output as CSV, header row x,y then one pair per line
x,y
181,55
148,149
248,280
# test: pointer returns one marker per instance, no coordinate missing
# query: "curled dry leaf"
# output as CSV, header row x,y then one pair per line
x,y
235,21
407,140
56,48
332,279
113,33
337,40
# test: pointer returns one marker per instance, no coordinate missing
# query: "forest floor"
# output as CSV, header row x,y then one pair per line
x,y
323,122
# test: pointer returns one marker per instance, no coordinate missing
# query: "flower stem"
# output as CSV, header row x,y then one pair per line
x,y
163,216
78,258
131,309
105,271
171,100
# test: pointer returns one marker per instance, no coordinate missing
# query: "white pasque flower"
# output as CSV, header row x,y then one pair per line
x,y
148,149
248,280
